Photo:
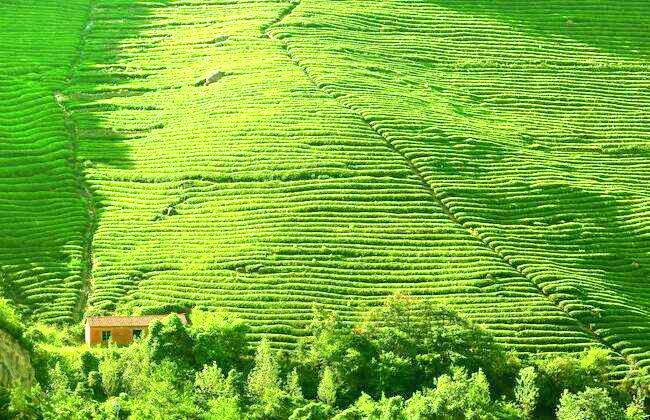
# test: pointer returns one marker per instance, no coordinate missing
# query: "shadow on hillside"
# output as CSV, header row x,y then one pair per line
x,y
612,251
104,136
579,245
626,34
81,92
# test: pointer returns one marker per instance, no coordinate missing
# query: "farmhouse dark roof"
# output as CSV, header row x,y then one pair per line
x,y
127,321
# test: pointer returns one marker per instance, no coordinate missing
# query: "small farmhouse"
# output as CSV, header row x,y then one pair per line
x,y
120,329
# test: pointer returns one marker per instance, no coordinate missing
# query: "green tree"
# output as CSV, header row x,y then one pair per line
x,y
312,411
64,404
527,390
327,387
217,393
94,382
402,346
164,398
269,400
346,351
170,340
418,341
590,404
392,408
220,339
135,364
571,372
420,406
463,396
27,403
89,362
293,386
211,383
111,373
264,377
363,408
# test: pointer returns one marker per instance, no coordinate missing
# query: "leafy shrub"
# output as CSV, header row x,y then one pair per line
x,y
169,340
571,372
312,411
590,404
327,388
219,339
111,374
9,321
463,395
527,390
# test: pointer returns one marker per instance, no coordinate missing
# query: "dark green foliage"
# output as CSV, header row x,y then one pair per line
x,y
590,404
94,382
403,346
312,411
5,399
392,366
34,336
418,342
349,354
219,339
73,334
170,340
571,372
9,321
89,362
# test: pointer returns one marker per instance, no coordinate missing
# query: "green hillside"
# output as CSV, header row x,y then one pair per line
x,y
42,218
493,156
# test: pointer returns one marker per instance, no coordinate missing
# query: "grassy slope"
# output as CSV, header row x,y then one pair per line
x,y
529,122
282,198
495,162
42,217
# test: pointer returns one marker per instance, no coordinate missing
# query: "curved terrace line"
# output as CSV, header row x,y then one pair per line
x,y
80,179
267,31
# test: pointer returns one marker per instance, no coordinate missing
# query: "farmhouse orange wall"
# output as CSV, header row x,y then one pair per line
x,y
119,335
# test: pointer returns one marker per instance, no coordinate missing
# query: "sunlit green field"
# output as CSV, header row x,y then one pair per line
x,y
491,156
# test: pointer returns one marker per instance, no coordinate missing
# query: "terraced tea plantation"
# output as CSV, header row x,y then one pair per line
x,y
267,156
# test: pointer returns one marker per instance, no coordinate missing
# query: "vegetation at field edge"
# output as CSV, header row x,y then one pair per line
x,y
406,360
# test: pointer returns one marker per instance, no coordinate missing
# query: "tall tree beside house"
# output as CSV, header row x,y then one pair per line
x,y
220,339
170,340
